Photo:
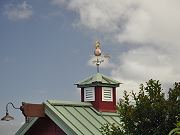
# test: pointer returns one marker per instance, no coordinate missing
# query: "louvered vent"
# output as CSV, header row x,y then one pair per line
x,y
89,94
107,94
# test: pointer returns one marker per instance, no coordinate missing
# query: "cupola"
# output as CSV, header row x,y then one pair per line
x,y
99,89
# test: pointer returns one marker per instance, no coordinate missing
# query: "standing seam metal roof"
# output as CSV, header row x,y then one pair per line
x,y
76,118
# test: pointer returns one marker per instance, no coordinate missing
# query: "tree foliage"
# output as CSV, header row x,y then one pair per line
x,y
148,112
175,131
111,130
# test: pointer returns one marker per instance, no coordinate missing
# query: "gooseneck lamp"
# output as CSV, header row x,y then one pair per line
x,y
7,117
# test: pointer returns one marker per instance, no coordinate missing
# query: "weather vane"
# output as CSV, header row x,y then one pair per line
x,y
97,53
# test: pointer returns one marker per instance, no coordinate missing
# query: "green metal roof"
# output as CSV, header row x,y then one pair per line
x,y
98,79
75,118
26,126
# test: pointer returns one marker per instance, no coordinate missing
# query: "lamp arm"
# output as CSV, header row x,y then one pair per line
x,y
12,106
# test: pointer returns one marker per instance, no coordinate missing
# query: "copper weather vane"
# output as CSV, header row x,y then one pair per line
x,y
98,53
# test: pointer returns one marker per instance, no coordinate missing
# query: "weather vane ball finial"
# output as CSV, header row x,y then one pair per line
x,y
99,58
97,51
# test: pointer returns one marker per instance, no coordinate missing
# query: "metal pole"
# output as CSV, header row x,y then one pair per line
x,y
97,68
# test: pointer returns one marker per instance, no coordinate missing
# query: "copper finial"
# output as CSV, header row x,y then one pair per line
x,y
97,53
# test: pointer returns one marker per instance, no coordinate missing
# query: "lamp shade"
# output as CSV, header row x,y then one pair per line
x,y
7,117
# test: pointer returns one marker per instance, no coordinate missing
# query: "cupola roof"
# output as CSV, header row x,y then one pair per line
x,y
98,79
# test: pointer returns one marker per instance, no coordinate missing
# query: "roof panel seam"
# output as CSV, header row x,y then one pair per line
x,y
79,121
87,119
68,119
50,108
116,120
94,117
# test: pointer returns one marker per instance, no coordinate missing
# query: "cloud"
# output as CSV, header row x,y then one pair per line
x,y
145,63
21,11
150,29
153,23
103,16
139,65
130,21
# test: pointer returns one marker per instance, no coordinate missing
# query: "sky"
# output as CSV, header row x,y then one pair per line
x,y
46,46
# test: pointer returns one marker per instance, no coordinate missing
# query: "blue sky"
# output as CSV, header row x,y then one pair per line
x,y
47,46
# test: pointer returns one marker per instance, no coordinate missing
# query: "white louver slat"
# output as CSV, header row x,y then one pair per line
x,y
89,94
107,94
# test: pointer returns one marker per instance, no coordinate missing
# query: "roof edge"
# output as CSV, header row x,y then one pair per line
x,y
67,103
52,112
97,84
98,79
26,126
104,113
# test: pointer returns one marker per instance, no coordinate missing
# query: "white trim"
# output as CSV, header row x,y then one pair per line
x,y
89,94
107,94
